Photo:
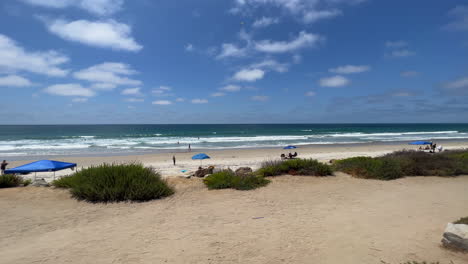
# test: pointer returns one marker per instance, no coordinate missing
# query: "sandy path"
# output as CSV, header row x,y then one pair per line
x,y
305,220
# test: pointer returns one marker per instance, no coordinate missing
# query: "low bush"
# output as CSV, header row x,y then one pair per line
x,y
309,167
228,179
12,180
114,183
370,168
463,221
9,180
449,163
406,163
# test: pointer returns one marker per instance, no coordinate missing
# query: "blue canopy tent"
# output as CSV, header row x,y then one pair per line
x,y
41,166
201,157
290,147
420,143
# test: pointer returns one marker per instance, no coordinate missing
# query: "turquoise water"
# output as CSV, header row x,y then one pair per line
x,y
43,140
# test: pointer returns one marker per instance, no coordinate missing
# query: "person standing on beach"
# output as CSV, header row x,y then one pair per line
x,y
173,160
3,167
189,148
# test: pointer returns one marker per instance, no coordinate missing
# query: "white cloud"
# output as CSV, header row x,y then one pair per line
x,y
218,94
162,102
270,64
457,84
460,18
80,100
180,99
316,15
97,7
230,88
302,41
348,69
14,81
305,10
231,50
134,100
402,53
199,101
103,86
189,47
15,58
70,89
334,81
161,91
260,98
132,91
265,22
249,75
103,34
396,44
409,74
108,74
310,93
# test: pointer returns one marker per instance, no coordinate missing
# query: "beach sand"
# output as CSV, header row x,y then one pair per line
x,y
295,219
234,158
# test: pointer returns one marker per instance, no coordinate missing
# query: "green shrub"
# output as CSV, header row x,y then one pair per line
x,y
463,220
10,180
370,168
27,182
115,182
228,179
406,163
448,163
295,166
66,182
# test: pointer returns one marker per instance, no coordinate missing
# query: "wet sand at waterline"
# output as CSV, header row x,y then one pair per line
x,y
295,219
235,158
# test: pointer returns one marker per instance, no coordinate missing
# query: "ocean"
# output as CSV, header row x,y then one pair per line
x,y
18,141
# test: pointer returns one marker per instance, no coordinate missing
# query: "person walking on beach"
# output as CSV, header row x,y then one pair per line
x,y
3,167
189,148
173,160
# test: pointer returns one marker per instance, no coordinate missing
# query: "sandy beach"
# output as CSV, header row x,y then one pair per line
x,y
234,158
293,220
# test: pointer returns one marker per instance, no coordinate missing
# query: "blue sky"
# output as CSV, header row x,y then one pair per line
x,y
233,61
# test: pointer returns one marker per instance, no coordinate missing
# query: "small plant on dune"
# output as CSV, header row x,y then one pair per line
x,y
12,180
406,163
370,168
115,182
228,179
27,182
463,220
309,167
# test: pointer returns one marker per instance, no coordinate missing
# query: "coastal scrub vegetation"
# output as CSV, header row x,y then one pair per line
x,y
12,180
406,163
463,220
309,167
115,183
228,179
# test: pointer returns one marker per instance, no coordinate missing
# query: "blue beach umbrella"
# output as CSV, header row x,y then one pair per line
x,y
201,157
290,147
420,143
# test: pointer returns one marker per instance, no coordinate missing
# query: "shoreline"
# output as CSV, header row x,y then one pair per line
x,y
233,158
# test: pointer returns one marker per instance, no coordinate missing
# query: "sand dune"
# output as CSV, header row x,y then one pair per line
x,y
293,220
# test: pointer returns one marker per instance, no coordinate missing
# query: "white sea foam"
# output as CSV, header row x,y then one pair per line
x,y
144,142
